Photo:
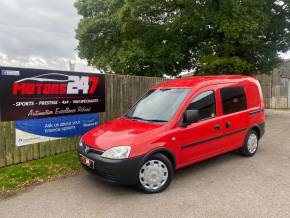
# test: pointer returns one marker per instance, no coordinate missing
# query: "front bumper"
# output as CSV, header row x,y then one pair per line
x,y
124,171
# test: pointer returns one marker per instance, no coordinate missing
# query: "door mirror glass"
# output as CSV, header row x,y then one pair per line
x,y
190,116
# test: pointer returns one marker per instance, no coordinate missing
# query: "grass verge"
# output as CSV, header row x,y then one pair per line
x,y
21,175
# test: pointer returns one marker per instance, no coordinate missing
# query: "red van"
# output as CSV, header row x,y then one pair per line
x,y
175,124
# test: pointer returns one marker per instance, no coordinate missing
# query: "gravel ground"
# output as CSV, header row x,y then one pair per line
x,y
225,186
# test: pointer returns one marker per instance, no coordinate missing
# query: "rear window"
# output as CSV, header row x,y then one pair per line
x,y
233,99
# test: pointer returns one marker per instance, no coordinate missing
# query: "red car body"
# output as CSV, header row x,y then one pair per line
x,y
183,145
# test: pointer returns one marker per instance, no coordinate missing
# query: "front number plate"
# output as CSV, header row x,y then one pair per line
x,y
88,162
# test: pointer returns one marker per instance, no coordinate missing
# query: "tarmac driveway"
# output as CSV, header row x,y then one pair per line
x,y
226,186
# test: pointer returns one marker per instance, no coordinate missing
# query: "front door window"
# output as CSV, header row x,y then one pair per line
x,y
205,104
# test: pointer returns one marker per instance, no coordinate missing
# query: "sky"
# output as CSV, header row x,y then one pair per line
x,y
41,34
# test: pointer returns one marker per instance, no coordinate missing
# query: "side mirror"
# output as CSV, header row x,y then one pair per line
x,y
190,116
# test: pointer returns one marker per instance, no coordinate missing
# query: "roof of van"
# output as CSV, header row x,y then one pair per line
x,y
190,82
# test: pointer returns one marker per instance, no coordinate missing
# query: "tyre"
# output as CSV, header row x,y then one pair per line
x,y
155,174
251,144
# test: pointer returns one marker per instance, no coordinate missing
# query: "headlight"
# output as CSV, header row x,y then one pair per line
x,y
119,152
81,143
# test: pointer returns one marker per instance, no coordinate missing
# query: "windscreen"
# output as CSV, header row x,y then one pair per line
x,y
158,105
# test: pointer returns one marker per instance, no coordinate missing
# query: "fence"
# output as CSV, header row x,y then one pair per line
x,y
121,93
276,90
266,85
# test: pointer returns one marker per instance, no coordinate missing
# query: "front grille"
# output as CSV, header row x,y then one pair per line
x,y
92,150
95,151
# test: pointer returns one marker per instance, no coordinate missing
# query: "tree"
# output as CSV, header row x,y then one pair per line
x,y
153,38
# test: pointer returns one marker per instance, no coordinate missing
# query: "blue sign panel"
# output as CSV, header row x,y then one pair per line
x,y
40,130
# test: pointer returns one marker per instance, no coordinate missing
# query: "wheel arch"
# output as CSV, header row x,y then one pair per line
x,y
257,129
166,152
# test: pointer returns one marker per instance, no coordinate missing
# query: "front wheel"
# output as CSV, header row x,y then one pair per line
x,y
155,174
250,145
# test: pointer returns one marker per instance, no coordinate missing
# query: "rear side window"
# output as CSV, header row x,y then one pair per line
x,y
205,104
233,99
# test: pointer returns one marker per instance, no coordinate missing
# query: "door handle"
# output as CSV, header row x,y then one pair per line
x,y
228,124
217,127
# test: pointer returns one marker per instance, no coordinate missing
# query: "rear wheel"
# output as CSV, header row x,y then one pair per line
x,y
250,145
155,174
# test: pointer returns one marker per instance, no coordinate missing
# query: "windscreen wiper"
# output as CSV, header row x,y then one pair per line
x,y
157,121
147,120
137,118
